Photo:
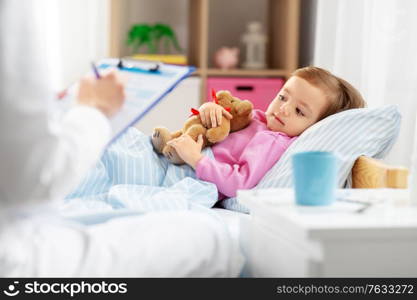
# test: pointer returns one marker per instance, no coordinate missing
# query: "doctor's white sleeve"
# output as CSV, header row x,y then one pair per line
x,y
39,161
42,161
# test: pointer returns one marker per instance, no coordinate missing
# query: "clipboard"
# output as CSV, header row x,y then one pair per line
x,y
147,83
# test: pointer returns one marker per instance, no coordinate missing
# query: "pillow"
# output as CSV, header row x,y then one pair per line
x,y
349,134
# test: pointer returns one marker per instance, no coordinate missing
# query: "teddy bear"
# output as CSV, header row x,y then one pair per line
x,y
241,110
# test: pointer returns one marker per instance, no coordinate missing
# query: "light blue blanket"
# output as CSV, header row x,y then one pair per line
x,y
131,178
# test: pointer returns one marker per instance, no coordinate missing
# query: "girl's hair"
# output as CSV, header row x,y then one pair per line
x,y
340,93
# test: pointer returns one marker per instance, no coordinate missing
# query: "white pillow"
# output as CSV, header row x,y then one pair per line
x,y
349,134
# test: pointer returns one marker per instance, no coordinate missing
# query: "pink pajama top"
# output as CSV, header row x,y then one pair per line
x,y
244,157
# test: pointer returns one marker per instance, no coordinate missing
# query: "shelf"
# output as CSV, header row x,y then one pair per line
x,y
247,72
212,24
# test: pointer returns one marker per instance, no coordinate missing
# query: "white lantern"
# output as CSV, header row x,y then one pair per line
x,y
255,42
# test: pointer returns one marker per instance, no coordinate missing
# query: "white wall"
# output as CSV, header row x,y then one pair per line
x,y
174,109
83,36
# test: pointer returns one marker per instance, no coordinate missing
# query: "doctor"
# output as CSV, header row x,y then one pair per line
x,y
40,162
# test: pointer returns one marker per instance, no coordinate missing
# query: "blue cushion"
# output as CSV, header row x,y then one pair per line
x,y
349,134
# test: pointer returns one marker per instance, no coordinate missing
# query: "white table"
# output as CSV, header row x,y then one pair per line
x,y
284,240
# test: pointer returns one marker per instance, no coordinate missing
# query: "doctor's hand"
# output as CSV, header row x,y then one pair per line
x,y
106,94
188,149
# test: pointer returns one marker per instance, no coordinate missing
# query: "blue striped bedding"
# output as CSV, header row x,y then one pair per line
x,y
131,177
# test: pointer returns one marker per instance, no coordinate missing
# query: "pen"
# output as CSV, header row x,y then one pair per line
x,y
95,70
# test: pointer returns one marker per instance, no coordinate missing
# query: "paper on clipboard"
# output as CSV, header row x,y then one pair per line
x,y
143,88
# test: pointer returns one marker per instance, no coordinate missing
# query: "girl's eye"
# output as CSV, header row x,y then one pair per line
x,y
299,112
281,97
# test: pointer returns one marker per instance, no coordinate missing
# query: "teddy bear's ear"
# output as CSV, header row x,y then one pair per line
x,y
241,100
236,99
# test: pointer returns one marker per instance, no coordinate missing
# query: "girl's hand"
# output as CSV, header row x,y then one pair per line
x,y
211,114
188,149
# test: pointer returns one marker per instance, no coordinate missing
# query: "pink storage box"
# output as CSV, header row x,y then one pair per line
x,y
260,91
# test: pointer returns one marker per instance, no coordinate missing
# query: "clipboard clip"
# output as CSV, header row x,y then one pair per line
x,y
145,65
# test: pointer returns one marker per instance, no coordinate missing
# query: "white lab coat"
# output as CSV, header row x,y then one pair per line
x,y
40,162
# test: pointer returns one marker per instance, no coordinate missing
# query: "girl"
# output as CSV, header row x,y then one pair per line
x,y
131,175
244,157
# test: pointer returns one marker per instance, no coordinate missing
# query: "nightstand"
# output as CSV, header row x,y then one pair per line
x,y
281,239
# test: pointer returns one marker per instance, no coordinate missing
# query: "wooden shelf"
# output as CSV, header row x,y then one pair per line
x,y
246,72
281,18
242,72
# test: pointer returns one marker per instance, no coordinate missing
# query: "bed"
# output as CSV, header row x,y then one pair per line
x,y
350,134
233,220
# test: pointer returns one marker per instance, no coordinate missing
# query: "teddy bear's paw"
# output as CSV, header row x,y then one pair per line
x,y
171,154
160,137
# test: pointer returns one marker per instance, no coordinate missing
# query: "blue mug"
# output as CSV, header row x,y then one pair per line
x,y
315,176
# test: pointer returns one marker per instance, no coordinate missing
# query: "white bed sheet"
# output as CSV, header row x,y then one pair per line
x,y
233,219
163,244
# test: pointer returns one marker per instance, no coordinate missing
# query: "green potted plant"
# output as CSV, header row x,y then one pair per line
x,y
151,37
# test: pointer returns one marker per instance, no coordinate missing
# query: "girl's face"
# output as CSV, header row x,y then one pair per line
x,y
296,107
